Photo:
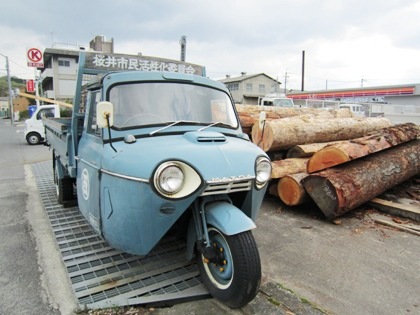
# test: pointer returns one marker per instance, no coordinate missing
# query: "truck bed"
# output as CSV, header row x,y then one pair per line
x,y
58,136
60,125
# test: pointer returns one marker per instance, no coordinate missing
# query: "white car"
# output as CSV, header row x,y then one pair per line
x,y
34,128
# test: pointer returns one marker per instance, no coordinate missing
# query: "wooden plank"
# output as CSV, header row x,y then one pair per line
x,y
397,226
48,100
394,208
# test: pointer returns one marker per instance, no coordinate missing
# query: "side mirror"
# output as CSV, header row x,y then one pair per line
x,y
104,114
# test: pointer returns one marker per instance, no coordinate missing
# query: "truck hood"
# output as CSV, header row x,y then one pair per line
x,y
212,154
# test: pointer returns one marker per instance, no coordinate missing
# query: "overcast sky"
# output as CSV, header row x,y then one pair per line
x,y
347,43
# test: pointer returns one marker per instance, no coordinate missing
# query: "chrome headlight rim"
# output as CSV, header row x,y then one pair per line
x,y
192,180
262,171
163,170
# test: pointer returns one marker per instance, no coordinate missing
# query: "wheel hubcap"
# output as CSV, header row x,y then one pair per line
x,y
220,267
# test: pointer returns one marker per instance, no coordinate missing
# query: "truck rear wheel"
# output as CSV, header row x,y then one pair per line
x,y
63,187
235,278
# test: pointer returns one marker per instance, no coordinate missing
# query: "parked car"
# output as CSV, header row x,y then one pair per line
x,y
34,128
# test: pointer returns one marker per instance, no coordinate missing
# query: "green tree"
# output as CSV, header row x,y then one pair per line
x,y
16,84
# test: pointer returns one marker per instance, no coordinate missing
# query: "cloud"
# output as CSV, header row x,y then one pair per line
x,y
14,43
344,41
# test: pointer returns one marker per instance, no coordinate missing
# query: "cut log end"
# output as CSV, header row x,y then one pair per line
x,y
290,191
325,158
323,194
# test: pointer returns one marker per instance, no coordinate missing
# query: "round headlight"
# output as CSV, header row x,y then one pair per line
x,y
262,171
169,179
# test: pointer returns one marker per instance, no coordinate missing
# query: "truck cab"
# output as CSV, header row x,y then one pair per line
x,y
156,121
34,128
278,101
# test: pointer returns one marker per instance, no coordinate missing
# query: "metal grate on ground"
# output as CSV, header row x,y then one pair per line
x,y
102,276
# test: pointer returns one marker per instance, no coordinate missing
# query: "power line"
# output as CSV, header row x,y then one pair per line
x,y
18,64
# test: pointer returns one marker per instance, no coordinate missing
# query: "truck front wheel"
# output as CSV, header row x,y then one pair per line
x,y
33,138
234,277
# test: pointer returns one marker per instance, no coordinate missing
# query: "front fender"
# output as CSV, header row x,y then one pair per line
x,y
225,217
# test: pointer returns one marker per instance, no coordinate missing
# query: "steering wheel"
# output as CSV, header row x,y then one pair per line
x,y
143,118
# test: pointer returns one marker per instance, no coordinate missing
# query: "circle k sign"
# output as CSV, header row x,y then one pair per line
x,y
35,58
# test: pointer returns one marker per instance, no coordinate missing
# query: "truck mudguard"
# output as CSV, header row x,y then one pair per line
x,y
225,217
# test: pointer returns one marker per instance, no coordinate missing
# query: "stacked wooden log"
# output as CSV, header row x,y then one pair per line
x,y
340,189
250,114
332,158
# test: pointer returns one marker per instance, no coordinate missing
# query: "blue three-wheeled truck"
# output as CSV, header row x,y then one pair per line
x,y
151,151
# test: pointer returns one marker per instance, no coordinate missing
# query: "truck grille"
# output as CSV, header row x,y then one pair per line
x,y
225,187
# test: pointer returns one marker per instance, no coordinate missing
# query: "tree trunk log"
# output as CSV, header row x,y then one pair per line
x,y
291,191
282,134
288,166
282,112
342,188
342,152
249,114
306,150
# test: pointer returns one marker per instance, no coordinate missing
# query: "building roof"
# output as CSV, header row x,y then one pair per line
x,y
246,77
49,52
60,51
388,90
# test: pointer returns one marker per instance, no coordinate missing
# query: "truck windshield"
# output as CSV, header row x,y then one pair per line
x,y
154,103
283,102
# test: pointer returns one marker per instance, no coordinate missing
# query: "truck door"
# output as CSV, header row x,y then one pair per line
x,y
89,164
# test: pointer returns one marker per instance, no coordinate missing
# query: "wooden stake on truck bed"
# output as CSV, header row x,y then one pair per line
x,y
342,188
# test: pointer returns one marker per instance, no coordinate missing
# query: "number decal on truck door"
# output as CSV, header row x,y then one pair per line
x,y
85,182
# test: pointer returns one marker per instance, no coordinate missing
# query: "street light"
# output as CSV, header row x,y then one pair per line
x,y
10,89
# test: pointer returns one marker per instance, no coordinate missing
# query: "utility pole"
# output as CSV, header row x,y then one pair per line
x,y
303,70
9,82
36,86
183,43
285,82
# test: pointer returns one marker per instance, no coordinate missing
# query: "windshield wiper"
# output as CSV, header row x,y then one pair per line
x,y
217,123
172,124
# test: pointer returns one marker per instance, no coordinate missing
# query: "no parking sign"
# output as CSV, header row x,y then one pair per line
x,y
35,58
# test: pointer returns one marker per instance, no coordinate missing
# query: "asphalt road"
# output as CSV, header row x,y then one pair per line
x,y
21,277
356,267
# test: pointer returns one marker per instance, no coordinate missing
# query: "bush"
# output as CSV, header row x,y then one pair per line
x,y
65,112
24,114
